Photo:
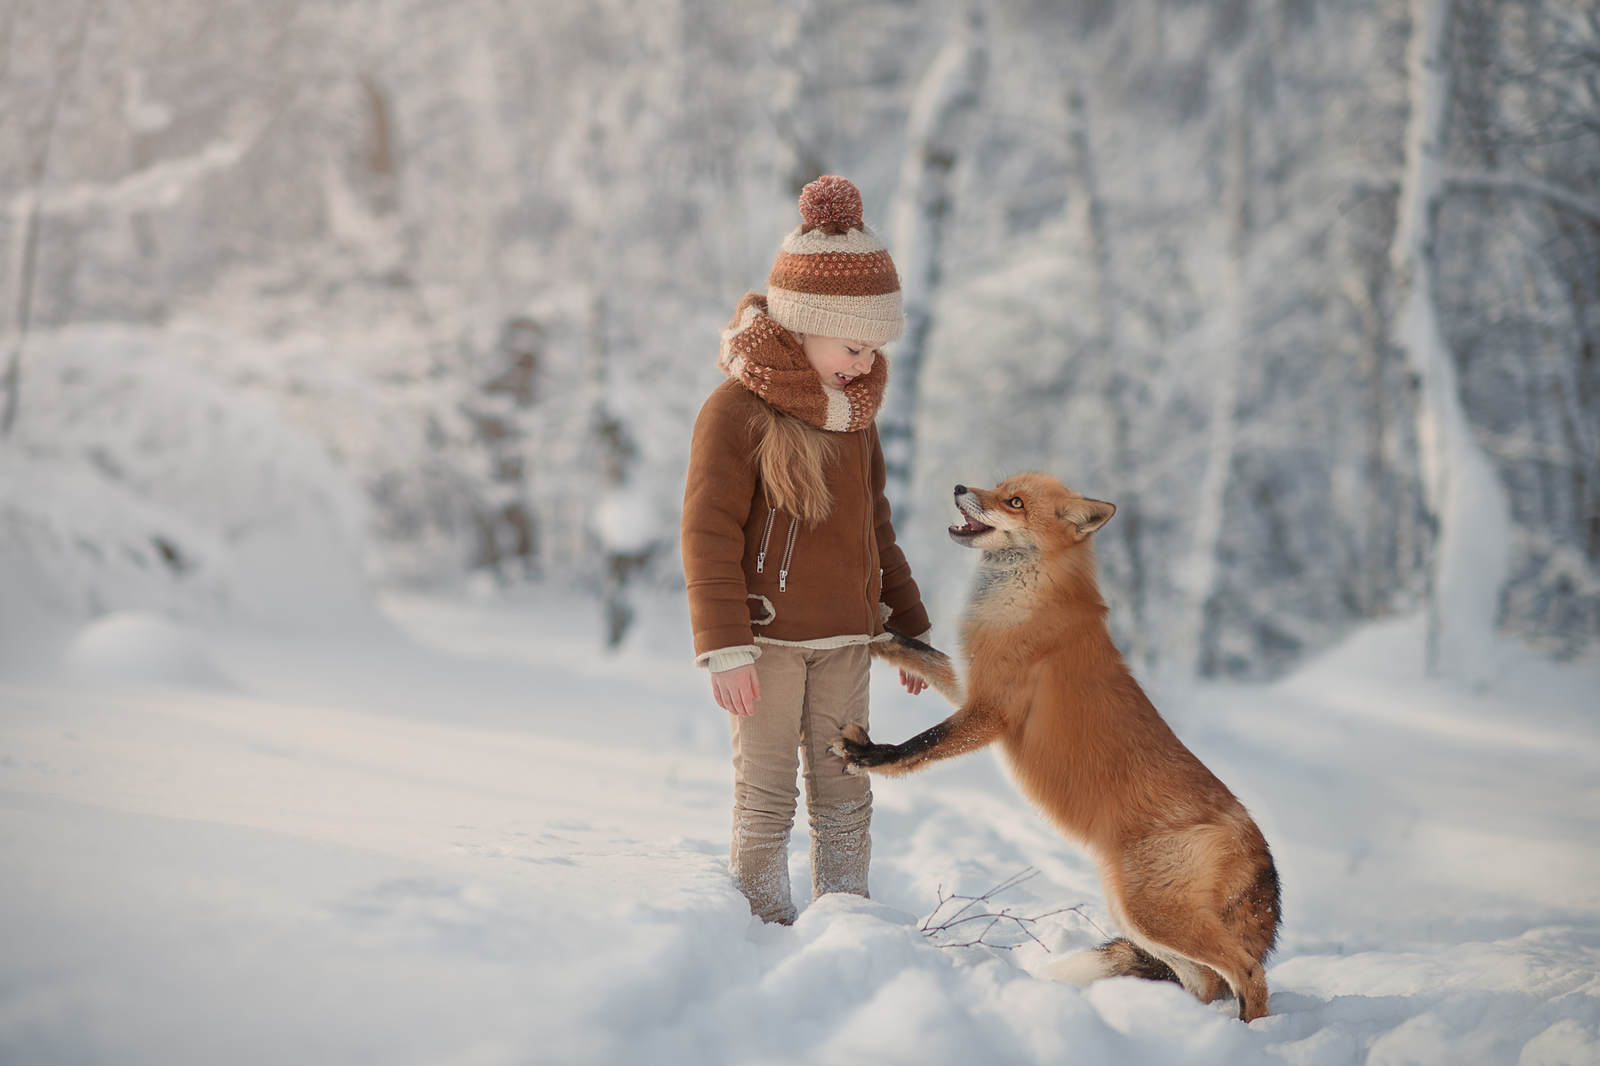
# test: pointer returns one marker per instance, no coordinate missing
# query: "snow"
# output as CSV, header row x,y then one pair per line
x,y
140,646
462,834
625,521
159,470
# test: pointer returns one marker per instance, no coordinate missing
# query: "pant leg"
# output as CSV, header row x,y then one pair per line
x,y
765,759
838,803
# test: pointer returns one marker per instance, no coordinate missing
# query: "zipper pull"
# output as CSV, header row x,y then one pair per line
x,y
766,534
788,553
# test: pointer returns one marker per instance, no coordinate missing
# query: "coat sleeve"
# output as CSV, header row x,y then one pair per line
x,y
716,505
899,590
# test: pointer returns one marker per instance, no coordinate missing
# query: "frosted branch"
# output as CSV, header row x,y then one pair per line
x,y
975,909
1537,188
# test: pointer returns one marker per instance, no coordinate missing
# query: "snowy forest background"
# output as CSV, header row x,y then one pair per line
x,y
300,298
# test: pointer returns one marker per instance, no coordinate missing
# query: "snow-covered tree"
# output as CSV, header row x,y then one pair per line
x,y
1173,253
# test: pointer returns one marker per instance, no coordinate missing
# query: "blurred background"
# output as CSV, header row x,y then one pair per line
x,y
308,301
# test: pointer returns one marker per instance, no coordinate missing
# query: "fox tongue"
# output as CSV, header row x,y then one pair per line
x,y
970,526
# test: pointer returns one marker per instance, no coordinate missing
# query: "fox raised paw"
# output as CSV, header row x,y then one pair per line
x,y
858,751
920,660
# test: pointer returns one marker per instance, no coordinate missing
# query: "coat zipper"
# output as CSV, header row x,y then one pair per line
x,y
761,556
866,453
788,551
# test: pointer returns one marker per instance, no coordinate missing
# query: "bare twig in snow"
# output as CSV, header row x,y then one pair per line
x,y
975,909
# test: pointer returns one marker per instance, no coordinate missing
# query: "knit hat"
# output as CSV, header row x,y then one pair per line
x,y
833,276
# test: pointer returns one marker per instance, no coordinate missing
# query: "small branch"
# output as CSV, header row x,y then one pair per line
x,y
934,926
1537,188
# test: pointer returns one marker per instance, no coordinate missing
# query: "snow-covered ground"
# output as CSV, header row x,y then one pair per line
x,y
463,836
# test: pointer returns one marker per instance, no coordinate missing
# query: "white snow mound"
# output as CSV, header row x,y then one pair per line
x,y
139,646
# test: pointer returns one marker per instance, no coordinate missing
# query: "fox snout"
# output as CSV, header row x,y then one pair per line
x,y
969,527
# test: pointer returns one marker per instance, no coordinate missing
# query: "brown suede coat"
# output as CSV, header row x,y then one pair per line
x,y
837,572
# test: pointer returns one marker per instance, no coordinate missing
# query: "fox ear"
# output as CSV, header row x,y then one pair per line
x,y
1086,516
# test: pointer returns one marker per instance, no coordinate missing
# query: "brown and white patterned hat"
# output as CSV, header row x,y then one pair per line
x,y
833,276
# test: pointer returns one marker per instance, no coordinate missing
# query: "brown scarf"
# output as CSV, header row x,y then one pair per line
x,y
766,359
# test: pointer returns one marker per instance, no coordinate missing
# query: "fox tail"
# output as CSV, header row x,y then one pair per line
x,y
1119,958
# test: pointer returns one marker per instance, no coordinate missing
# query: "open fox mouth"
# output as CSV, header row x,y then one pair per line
x,y
971,529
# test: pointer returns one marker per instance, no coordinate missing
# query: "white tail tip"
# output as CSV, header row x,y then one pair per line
x,y
1079,969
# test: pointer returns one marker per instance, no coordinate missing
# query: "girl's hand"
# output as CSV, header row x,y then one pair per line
x,y
737,690
913,684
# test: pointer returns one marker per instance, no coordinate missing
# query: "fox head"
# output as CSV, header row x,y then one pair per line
x,y
1033,512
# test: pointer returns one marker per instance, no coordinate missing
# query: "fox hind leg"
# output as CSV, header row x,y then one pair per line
x,y
1205,905
1210,964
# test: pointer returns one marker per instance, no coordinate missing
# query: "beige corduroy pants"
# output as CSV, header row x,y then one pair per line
x,y
807,697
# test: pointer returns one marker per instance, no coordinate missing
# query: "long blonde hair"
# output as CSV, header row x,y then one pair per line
x,y
793,459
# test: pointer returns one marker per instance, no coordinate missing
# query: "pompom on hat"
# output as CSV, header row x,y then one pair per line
x,y
833,277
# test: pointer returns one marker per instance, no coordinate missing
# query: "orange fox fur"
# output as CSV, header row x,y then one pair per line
x,y
1186,872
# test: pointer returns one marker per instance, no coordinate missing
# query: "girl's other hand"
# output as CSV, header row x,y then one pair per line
x,y
913,684
737,690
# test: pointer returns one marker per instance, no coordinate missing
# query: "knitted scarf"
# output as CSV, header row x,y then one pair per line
x,y
766,359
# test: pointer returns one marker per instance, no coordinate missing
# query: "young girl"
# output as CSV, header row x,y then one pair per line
x,y
788,552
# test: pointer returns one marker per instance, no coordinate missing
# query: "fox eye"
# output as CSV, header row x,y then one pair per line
x,y
1015,501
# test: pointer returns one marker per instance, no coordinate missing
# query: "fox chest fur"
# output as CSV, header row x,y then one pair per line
x,y
1018,624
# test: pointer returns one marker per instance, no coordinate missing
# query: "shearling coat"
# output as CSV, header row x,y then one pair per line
x,y
756,572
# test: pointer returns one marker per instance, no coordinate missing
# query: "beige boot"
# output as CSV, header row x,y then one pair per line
x,y
759,863
841,847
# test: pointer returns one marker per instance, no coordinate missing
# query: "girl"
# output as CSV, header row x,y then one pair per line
x,y
788,552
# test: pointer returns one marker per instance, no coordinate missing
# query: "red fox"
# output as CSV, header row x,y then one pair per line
x,y
1186,873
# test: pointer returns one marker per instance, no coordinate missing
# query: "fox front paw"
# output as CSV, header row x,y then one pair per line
x,y
858,751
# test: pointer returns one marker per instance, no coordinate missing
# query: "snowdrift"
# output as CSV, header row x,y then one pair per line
x,y
488,843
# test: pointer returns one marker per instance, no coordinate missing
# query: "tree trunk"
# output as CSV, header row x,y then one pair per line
x,y
25,225
916,229
1197,572
1462,490
1113,380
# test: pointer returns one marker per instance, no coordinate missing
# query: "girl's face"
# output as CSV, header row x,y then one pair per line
x,y
838,360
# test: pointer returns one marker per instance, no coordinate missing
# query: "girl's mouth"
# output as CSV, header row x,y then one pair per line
x,y
843,379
